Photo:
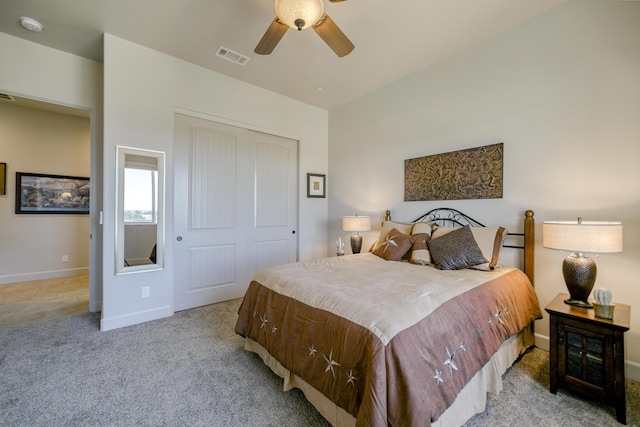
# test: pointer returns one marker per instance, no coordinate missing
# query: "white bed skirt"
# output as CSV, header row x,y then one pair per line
x,y
471,400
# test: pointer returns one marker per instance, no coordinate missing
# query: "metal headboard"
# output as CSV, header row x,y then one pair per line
x,y
449,217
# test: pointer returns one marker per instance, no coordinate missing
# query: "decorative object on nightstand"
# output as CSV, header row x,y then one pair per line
x,y
339,247
603,307
587,352
356,223
581,237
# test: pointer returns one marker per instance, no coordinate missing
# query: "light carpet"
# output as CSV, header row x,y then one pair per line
x,y
191,370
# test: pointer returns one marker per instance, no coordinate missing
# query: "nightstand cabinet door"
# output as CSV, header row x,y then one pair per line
x,y
585,359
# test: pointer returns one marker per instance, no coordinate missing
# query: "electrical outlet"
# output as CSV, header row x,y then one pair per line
x,y
145,291
65,258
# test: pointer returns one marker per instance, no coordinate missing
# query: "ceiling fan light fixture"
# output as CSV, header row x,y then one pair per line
x,y
299,14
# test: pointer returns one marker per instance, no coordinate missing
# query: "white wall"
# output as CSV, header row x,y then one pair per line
x,y
562,92
32,245
34,71
143,89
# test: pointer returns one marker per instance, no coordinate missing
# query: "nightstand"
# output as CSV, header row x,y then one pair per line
x,y
587,352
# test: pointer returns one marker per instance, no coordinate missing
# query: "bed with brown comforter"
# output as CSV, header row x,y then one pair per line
x,y
388,343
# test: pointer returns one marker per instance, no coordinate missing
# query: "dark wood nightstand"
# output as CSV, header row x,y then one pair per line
x,y
587,352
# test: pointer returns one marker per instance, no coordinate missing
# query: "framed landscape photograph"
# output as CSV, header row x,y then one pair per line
x,y
52,194
316,185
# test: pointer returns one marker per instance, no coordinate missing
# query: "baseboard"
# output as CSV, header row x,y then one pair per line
x,y
107,324
43,275
631,369
542,341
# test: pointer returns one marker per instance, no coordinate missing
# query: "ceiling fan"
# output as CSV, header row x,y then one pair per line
x,y
301,14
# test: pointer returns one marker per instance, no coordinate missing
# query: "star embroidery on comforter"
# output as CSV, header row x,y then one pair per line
x,y
351,379
331,364
450,361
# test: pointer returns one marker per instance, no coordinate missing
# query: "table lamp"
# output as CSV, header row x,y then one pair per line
x,y
356,223
581,237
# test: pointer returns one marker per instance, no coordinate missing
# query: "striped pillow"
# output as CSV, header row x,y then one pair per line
x,y
420,251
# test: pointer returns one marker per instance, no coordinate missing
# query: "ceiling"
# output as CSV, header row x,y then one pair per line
x,y
392,39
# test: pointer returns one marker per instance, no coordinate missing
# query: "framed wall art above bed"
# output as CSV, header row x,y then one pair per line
x,y
475,173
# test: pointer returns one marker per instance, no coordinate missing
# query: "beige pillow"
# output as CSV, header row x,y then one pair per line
x,y
395,246
489,240
420,251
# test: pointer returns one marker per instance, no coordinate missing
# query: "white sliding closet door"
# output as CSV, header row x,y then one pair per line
x,y
235,208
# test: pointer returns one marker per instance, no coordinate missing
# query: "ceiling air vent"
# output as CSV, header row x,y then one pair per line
x,y
232,56
6,97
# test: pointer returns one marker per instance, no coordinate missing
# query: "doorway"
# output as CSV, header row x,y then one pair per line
x,y
44,258
235,208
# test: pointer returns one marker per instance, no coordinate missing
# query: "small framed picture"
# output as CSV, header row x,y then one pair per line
x,y
316,185
3,179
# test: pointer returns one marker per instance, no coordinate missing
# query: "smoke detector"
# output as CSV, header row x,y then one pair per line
x,y
31,24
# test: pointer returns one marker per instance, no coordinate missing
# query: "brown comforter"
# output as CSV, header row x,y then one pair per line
x,y
383,372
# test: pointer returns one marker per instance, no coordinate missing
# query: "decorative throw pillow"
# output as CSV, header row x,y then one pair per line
x,y
456,250
489,240
395,245
387,226
421,227
420,249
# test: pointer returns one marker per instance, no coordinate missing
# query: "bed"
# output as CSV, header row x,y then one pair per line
x,y
398,336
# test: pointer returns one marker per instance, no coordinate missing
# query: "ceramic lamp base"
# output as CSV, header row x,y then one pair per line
x,y
356,242
579,273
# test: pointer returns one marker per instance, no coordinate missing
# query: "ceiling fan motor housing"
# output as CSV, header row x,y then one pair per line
x,y
299,14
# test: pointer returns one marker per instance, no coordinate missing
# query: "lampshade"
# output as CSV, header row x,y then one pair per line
x,y
356,223
299,14
580,237
583,236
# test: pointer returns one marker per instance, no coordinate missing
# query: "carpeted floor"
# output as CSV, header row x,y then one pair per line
x,y
191,370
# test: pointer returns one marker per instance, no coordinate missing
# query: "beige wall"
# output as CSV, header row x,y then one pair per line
x,y
561,92
38,141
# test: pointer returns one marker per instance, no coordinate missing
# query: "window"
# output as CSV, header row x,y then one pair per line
x,y
140,196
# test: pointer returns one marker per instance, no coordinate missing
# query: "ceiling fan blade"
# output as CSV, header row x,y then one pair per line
x,y
336,1
333,36
270,40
